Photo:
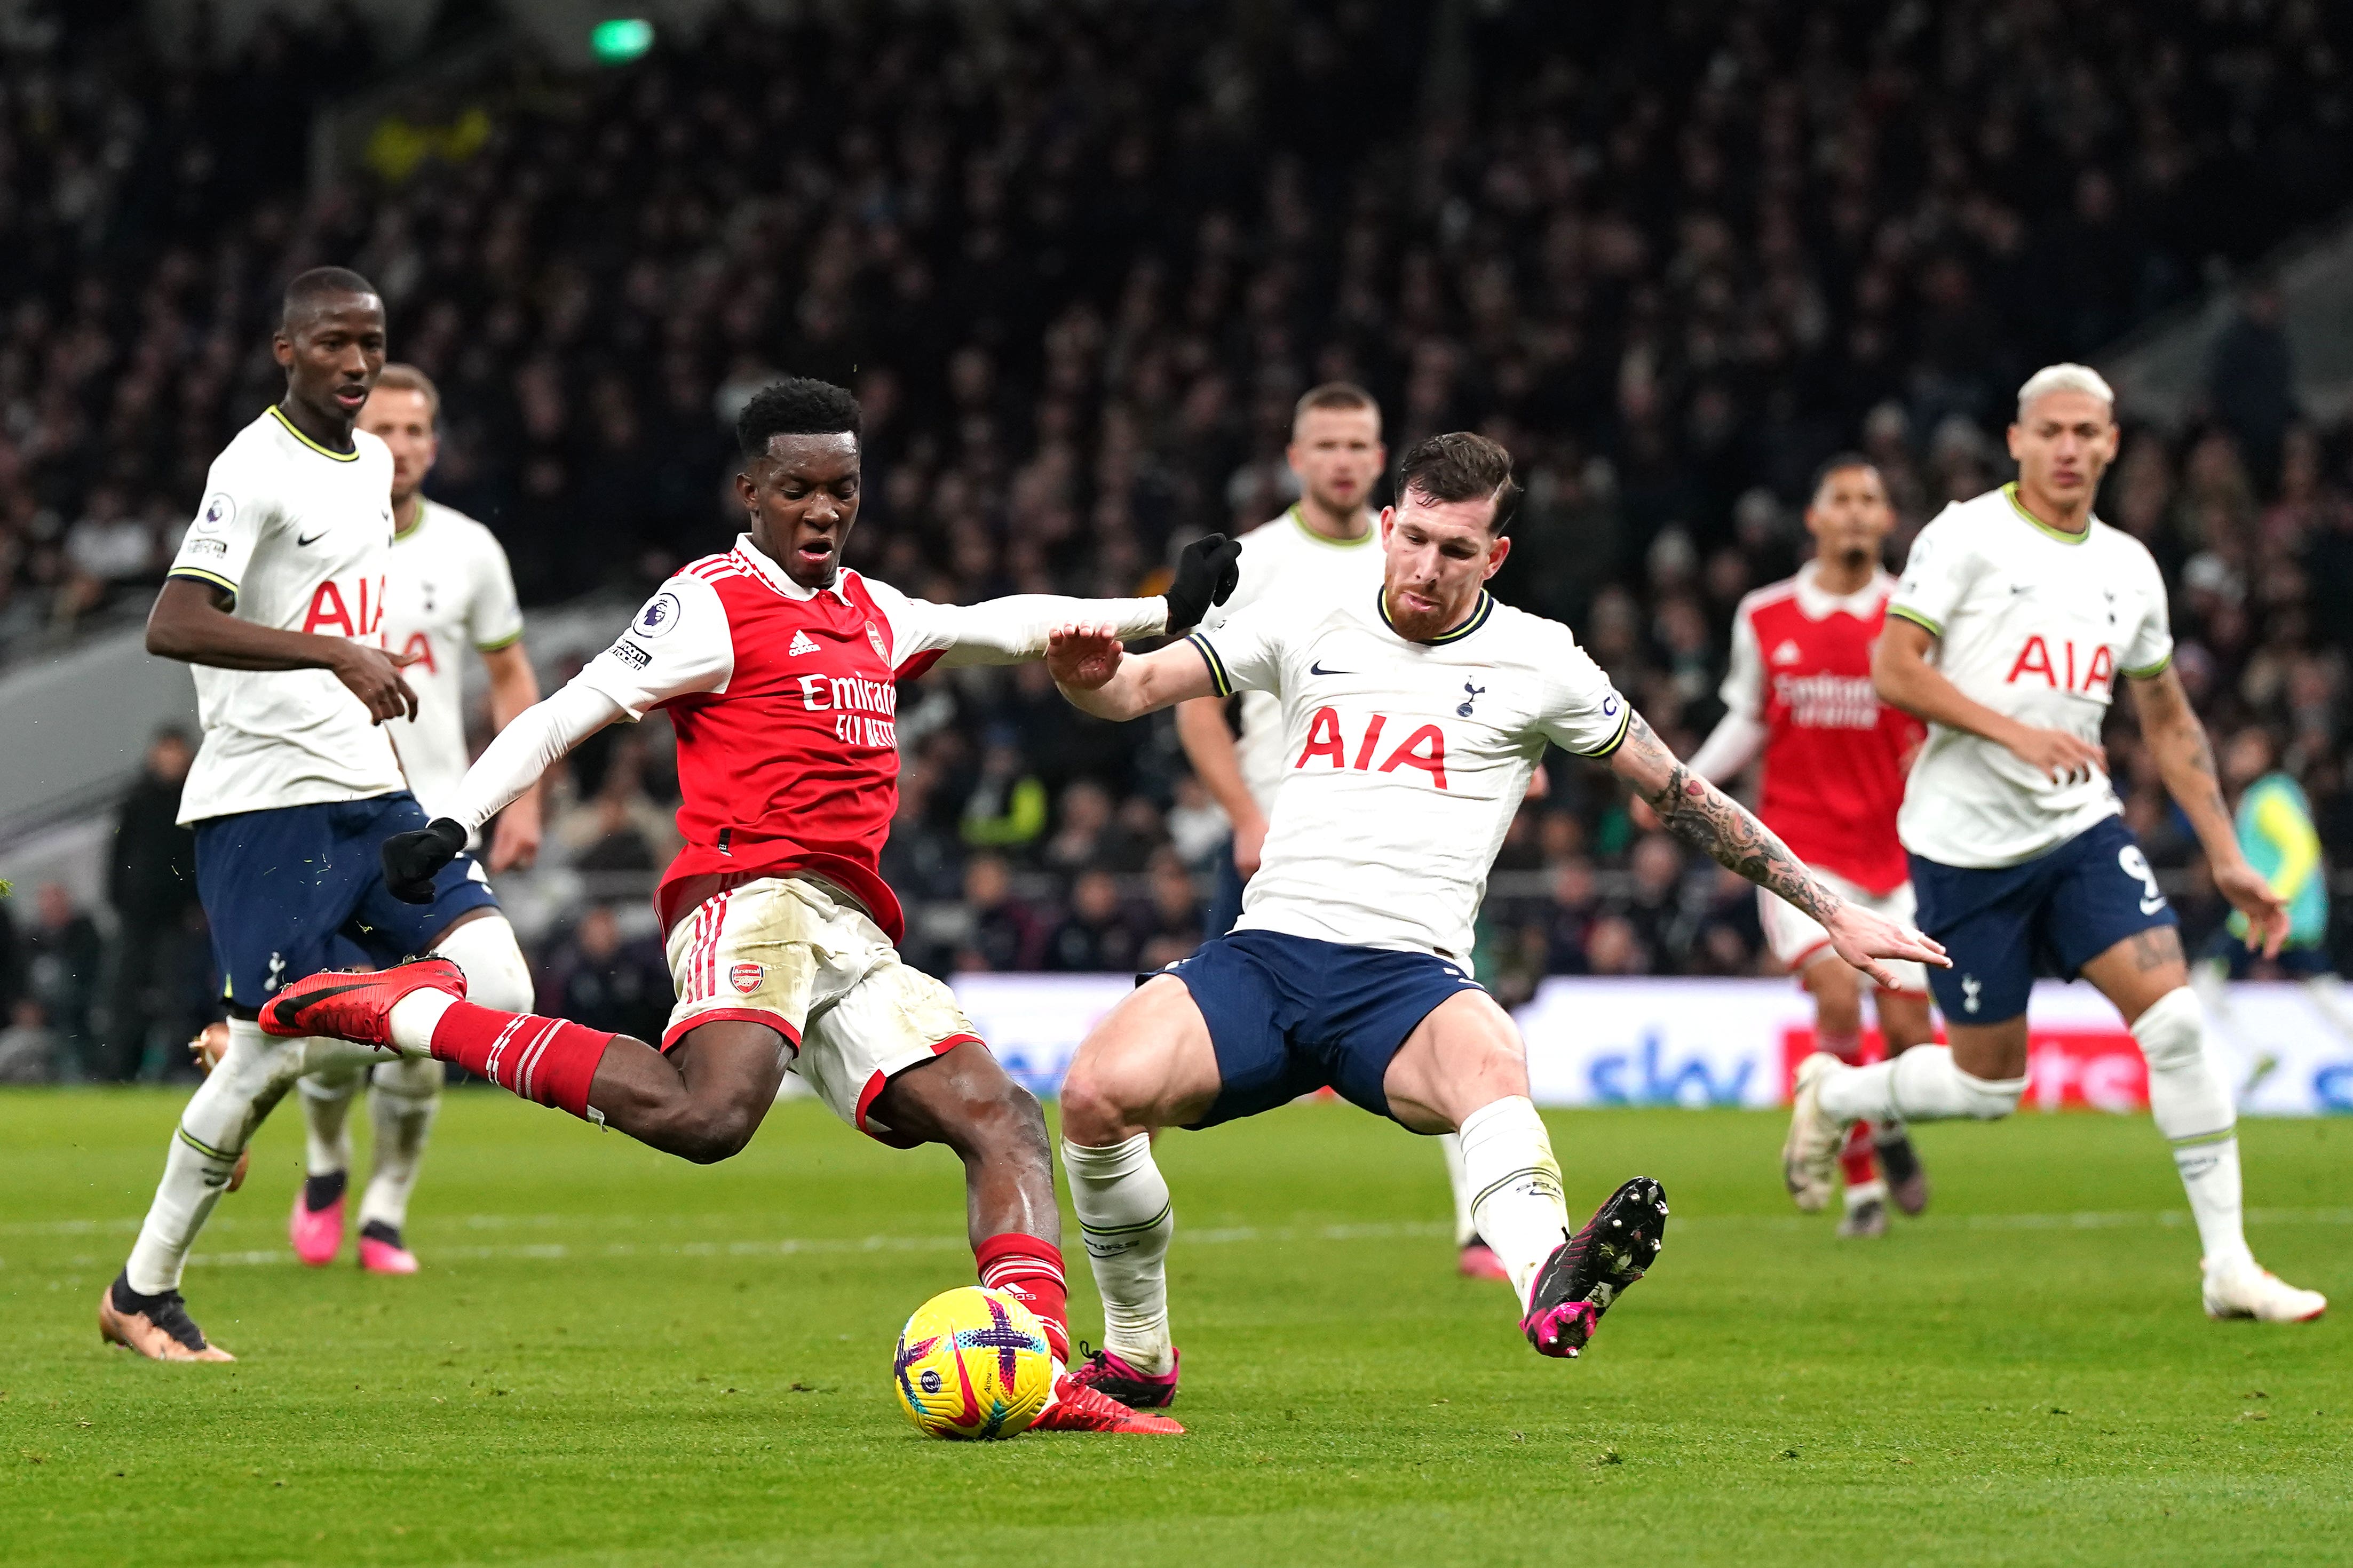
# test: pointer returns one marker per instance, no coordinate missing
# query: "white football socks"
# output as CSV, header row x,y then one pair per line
x,y
1921,1085
1514,1184
412,1018
2193,1107
326,1099
252,1076
1124,1213
1466,1229
403,1099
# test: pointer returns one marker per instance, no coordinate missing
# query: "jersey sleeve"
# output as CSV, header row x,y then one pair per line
x,y
494,615
1582,711
998,631
1936,577
1258,564
1245,654
2151,647
1743,690
237,507
679,643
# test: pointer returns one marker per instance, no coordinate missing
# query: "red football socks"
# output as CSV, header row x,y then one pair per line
x,y
1031,1271
551,1061
1856,1162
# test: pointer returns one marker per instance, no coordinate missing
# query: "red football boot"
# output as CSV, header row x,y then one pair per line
x,y
353,1006
1075,1407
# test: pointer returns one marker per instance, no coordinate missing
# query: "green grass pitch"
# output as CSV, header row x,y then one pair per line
x,y
612,1357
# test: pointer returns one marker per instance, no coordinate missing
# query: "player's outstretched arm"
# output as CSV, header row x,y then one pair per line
x,y
1698,813
512,763
1015,629
1099,677
2169,727
1903,676
192,624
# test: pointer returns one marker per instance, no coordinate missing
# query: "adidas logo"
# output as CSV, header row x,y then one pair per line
x,y
1787,653
802,642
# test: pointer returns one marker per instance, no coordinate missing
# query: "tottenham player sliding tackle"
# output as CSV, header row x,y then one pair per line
x,y
1414,715
778,668
2031,608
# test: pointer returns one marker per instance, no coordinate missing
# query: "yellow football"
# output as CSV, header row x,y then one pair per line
x,y
972,1365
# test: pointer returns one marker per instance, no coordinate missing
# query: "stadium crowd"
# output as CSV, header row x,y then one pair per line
x,y
1078,265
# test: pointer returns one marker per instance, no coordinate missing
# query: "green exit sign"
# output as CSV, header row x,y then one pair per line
x,y
621,38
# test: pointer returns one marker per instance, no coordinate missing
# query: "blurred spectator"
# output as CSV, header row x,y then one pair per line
x,y
159,941
620,828
1098,936
1005,809
28,1046
1197,828
1005,934
2251,381
62,953
598,977
1173,927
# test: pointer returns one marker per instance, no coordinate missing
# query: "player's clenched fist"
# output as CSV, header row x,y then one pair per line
x,y
1081,658
1205,573
411,860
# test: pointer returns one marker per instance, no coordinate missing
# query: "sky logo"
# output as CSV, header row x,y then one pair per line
x,y
1644,1076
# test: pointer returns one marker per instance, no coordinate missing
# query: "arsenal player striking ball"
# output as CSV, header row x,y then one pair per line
x,y
973,1364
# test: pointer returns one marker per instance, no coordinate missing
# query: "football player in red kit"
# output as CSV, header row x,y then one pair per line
x,y
779,669
1800,692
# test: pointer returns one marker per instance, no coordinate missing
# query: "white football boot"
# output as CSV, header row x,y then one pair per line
x,y
2250,1290
1810,1157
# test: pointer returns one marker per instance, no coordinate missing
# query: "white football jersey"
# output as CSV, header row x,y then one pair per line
x,y
451,589
300,535
1285,559
2037,625
1403,762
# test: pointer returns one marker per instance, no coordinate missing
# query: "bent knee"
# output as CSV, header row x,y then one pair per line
x,y
706,1134
1094,1103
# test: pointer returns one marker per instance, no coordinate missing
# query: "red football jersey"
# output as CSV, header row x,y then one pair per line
x,y
784,700
1835,755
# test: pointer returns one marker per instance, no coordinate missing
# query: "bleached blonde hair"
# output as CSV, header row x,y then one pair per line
x,y
2053,378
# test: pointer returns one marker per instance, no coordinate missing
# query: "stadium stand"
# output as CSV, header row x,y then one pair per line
x,y
1078,265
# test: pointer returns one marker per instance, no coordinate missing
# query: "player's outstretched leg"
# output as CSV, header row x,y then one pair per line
x,y
1922,1085
1464,1065
1147,1065
142,1309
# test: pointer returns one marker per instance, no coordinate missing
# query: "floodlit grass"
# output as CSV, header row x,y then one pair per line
x,y
612,1357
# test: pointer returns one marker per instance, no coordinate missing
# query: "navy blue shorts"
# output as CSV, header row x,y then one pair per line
x,y
1290,1014
280,888
2005,925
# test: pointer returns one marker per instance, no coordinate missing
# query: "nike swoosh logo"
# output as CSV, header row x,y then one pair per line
x,y
1317,668
313,539
293,1014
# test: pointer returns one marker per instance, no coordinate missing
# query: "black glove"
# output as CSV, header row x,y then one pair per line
x,y
1205,573
412,859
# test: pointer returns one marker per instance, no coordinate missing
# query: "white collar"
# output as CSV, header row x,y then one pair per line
x,y
1816,602
774,575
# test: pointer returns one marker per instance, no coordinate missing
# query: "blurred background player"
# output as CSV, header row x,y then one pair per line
x,y
450,588
2032,607
1798,690
277,595
1323,543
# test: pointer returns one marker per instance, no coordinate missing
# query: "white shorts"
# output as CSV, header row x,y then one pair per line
x,y
800,956
1795,939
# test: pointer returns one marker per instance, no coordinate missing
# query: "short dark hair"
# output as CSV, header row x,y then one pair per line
x,y
1334,394
309,288
408,378
796,406
1462,466
1837,464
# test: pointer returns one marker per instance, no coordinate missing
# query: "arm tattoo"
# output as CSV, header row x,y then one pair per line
x,y
1699,814
2175,715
